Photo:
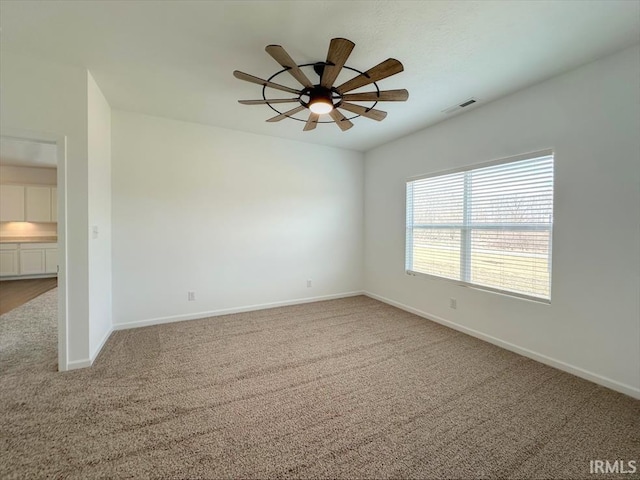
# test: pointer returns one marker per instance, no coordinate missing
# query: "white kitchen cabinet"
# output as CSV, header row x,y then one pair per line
x,y
18,259
9,259
31,262
54,204
28,203
38,204
50,260
12,203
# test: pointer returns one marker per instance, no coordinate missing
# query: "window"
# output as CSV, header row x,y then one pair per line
x,y
488,226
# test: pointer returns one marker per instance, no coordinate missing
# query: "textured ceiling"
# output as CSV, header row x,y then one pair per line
x,y
175,58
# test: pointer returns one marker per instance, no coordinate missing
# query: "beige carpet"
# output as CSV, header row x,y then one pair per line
x,y
349,388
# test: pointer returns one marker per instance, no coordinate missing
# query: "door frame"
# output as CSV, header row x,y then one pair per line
x,y
61,152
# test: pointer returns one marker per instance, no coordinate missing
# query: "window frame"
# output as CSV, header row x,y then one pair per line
x,y
465,227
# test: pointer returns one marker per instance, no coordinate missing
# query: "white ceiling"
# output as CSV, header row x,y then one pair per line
x,y
26,153
175,58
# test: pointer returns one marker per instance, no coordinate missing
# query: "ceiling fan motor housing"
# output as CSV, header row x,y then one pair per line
x,y
317,94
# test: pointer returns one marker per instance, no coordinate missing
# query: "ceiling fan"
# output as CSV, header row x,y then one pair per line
x,y
322,97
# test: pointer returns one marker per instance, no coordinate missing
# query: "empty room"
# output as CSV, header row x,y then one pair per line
x,y
320,239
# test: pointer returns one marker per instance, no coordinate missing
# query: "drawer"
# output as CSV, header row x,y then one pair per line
x,y
8,246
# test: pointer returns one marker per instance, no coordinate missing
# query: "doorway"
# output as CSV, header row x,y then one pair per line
x,y
33,229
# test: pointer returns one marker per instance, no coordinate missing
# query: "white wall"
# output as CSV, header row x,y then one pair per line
x,y
591,118
99,175
40,96
240,219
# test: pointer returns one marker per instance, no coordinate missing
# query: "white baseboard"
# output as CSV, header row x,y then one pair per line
x,y
87,362
577,371
228,311
97,351
74,365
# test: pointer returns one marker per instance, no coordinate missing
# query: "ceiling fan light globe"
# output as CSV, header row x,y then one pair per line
x,y
321,106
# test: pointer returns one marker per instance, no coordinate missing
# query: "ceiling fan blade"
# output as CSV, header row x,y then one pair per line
x,y
281,56
340,120
250,78
383,96
284,115
312,122
389,67
264,102
372,113
339,51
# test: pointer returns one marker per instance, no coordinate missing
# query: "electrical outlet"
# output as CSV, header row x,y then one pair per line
x,y
191,296
309,283
453,303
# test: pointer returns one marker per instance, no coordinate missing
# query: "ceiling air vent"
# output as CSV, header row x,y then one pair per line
x,y
460,106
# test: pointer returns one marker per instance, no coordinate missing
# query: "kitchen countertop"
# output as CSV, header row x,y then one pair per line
x,y
28,239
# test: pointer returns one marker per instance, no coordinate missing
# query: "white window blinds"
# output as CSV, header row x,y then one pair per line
x,y
489,227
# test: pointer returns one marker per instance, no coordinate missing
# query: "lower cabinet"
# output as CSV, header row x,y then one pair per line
x,y
9,259
50,260
28,259
31,262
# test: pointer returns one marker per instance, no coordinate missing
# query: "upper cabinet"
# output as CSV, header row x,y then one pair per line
x,y
12,203
38,204
29,203
54,204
